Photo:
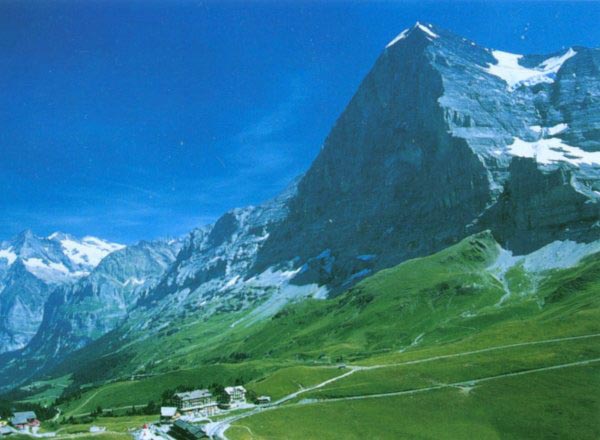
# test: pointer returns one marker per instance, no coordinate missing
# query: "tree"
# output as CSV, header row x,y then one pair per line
x,y
251,396
218,391
151,408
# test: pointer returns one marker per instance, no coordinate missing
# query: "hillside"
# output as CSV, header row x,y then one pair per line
x,y
437,323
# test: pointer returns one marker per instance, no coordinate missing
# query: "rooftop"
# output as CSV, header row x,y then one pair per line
x,y
20,418
196,394
195,430
168,411
231,390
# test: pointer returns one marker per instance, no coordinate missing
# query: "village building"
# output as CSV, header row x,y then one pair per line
x,y
25,420
263,400
5,430
168,414
196,403
182,430
237,395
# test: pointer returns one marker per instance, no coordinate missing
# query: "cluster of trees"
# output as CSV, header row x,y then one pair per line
x,y
151,408
72,392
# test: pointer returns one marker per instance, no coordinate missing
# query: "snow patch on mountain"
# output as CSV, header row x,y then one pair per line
x,y
427,30
286,293
88,251
8,255
559,255
552,150
556,255
557,129
507,68
133,281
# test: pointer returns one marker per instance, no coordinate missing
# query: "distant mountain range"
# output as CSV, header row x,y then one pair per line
x,y
30,267
442,140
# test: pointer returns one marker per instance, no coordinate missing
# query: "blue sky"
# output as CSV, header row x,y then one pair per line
x,y
132,119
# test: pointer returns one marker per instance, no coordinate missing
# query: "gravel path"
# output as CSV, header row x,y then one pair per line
x,y
217,429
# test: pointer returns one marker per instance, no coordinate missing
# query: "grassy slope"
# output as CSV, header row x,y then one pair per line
x,y
358,324
446,303
288,380
550,405
268,379
452,370
387,311
141,391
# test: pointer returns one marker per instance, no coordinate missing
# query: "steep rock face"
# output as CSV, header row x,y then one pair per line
x,y
444,138
30,268
390,180
537,208
22,297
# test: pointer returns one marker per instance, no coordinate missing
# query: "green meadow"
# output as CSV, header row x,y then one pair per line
x,y
549,405
442,330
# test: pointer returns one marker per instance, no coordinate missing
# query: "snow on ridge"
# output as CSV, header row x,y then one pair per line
x,y
402,35
427,30
551,150
398,37
37,264
50,271
508,69
555,63
551,131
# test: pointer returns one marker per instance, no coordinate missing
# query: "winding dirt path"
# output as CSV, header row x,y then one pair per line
x,y
464,383
217,430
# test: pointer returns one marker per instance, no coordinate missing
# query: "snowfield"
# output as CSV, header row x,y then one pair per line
x,y
508,69
551,150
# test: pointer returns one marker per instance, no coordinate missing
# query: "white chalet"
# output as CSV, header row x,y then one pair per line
x,y
237,395
196,403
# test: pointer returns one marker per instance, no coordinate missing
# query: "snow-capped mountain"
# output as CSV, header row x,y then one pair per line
x,y
86,253
443,138
57,258
78,313
30,267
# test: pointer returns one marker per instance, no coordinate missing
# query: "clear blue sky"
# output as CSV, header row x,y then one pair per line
x,y
134,119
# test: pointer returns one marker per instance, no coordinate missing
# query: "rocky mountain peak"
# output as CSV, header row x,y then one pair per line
x,y
417,31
